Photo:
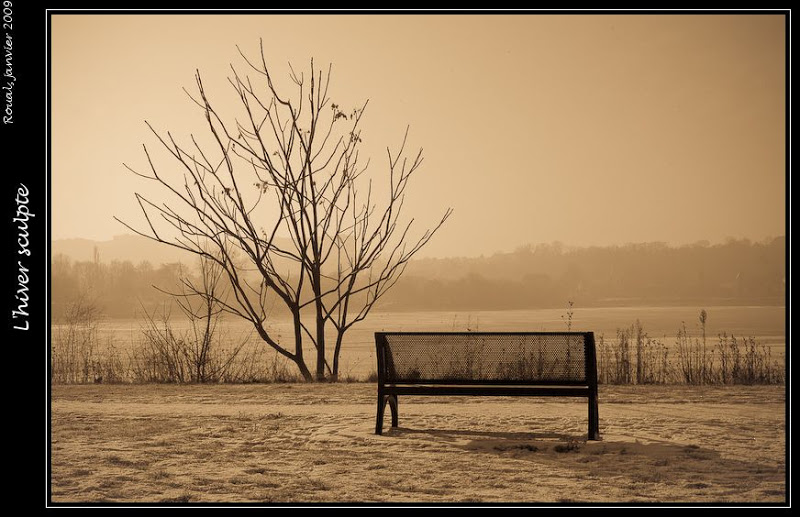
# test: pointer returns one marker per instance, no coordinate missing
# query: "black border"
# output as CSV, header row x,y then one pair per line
x,y
27,25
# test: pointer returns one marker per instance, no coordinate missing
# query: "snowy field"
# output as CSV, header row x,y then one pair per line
x,y
315,443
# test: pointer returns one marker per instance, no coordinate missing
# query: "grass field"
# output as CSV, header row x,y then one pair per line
x,y
314,443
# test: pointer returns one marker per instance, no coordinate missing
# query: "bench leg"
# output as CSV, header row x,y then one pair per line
x,y
381,407
382,400
594,419
393,406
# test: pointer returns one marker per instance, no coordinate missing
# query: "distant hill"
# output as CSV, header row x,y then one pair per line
x,y
133,248
737,272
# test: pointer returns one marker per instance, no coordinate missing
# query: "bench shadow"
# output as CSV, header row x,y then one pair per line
x,y
501,442
499,436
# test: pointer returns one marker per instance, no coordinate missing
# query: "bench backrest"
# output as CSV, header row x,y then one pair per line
x,y
503,358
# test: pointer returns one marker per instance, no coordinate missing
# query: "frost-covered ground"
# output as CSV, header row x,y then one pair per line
x,y
315,443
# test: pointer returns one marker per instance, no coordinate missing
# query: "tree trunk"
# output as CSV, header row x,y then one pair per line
x,y
320,344
317,287
304,371
298,347
339,337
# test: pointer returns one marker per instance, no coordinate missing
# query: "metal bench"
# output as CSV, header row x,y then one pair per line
x,y
507,364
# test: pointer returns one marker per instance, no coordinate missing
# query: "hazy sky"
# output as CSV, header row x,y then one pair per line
x,y
586,129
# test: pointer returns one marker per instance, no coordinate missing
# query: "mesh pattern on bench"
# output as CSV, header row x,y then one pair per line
x,y
524,358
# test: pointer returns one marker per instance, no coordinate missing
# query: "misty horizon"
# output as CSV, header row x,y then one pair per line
x,y
422,255
541,276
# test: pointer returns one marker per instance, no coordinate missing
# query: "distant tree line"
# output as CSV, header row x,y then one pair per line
x,y
542,276
118,289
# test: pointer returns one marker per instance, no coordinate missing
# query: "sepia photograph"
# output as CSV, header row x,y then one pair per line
x,y
439,258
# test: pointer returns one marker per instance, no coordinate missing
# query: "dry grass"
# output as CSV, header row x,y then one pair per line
x,y
315,443
163,353
636,358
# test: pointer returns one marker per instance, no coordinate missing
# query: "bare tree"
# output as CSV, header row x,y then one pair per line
x,y
327,244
